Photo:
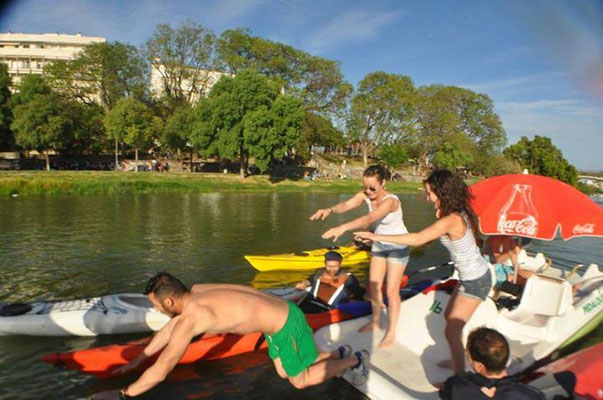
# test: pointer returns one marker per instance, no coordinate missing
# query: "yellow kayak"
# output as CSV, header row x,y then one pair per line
x,y
309,259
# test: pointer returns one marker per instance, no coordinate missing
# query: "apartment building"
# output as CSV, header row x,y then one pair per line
x,y
26,53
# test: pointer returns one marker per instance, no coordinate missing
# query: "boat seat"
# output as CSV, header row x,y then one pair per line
x,y
545,295
536,263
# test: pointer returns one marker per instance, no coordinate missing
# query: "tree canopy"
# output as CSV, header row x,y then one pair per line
x,y
245,117
541,157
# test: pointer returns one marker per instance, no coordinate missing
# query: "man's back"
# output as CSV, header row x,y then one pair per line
x,y
466,386
236,309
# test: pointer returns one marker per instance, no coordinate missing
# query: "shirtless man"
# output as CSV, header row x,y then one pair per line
x,y
222,308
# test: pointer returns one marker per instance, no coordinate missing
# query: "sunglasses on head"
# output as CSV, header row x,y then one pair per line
x,y
369,188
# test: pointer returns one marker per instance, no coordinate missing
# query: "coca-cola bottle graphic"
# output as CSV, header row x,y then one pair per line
x,y
519,216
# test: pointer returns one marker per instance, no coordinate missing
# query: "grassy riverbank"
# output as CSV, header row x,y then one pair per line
x,y
58,183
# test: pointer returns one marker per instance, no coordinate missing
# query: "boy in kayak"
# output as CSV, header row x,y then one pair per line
x,y
330,286
488,353
223,308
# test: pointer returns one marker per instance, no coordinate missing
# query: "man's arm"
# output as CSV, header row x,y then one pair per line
x,y
159,341
184,331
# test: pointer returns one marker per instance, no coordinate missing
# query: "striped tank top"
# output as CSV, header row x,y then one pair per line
x,y
465,254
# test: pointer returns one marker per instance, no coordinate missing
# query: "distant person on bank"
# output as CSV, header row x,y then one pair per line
x,y
223,308
330,286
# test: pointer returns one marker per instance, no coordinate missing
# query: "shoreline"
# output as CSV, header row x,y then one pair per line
x,y
69,183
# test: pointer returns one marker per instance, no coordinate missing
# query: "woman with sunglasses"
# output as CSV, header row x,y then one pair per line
x,y
456,228
386,258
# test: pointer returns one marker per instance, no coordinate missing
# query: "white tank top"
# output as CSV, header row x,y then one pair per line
x,y
465,254
393,222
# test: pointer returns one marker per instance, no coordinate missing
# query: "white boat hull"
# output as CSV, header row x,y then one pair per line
x,y
409,370
111,314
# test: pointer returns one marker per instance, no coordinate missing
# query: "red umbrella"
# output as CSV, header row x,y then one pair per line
x,y
534,206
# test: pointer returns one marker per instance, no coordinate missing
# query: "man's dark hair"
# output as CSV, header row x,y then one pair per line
x,y
163,285
489,347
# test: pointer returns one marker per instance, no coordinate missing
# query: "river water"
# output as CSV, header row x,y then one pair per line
x,y
71,247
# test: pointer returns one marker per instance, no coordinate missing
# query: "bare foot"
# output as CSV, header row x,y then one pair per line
x,y
387,341
445,364
371,326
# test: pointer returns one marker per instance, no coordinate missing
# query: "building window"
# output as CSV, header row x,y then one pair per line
x,y
26,46
24,64
39,64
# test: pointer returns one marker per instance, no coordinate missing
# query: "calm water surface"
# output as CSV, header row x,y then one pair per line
x,y
70,247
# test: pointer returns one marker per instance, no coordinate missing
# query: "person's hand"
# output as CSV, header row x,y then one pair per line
x,y
300,286
334,233
322,214
106,395
363,236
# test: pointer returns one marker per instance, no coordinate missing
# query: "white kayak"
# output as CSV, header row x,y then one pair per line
x,y
549,315
104,315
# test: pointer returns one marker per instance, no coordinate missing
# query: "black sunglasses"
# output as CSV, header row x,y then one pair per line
x,y
367,188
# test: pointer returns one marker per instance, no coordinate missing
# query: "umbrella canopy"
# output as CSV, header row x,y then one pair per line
x,y
534,206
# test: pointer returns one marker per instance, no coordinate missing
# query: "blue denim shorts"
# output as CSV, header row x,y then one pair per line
x,y
478,288
393,253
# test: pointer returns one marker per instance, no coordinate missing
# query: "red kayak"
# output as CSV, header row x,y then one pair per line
x,y
585,365
101,361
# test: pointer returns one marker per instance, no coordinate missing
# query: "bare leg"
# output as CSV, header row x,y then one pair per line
x,y
394,277
376,277
321,371
462,309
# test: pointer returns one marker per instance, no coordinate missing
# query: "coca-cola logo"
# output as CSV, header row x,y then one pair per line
x,y
586,228
526,226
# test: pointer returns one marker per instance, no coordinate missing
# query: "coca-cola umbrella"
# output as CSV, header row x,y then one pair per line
x,y
534,206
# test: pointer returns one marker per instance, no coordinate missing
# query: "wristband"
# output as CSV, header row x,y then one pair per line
x,y
123,395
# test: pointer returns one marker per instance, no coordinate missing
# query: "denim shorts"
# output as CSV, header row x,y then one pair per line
x,y
477,288
393,253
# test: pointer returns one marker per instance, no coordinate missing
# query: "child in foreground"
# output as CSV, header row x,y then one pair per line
x,y
488,354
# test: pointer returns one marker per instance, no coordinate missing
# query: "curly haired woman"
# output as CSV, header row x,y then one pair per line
x,y
456,228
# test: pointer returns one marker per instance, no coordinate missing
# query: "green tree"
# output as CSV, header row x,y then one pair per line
x,y
28,88
317,81
445,113
246,117
270,133
382,110
6,115
101,74
178,130
182,58
132,122
541,157
316,130
449,156
44,123
393,154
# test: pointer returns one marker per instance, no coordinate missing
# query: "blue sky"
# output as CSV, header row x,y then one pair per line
x,y
540,61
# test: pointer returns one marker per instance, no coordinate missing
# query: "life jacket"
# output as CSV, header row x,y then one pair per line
x,y
330,293
466,386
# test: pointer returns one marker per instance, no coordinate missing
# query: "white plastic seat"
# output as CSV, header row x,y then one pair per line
x,y
544,295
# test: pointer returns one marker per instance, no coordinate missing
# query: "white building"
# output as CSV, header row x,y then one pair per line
x,y
26,53
205,80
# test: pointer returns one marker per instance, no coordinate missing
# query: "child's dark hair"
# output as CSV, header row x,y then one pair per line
x,y
489,347
377,170
454,196
164,284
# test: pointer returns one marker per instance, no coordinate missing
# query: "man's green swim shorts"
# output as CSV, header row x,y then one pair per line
x,y
293,343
